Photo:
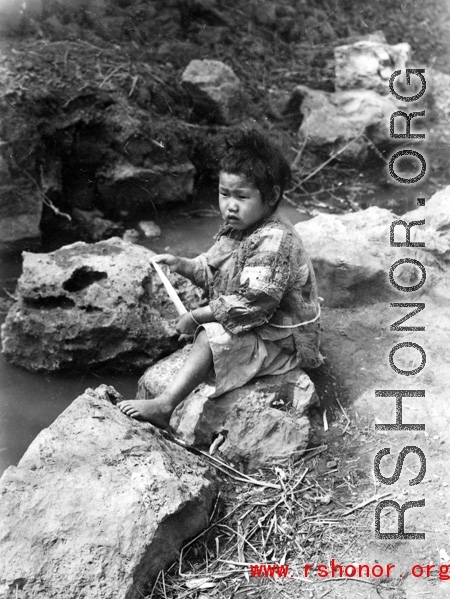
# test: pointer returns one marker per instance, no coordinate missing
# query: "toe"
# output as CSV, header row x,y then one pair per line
x,y
126,408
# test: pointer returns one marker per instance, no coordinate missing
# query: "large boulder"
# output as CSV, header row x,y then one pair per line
x,y
215,90
352,255
369,64
92,224
97,506
436,230
137,190
439,86
20,213
330,121
260,423
89,305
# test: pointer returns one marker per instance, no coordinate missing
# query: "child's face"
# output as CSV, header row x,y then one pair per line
x,y
240,201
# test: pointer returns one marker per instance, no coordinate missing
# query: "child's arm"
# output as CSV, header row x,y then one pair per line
x,y
187,323
182,266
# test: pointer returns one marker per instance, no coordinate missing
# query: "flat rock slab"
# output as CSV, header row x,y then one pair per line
x,y
260,423
98,505
89,305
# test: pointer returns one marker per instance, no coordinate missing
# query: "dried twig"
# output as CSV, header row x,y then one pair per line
x,y
109,75
345,578
321,166
46,200
346,416
325,421
14,297
133,85
224,467
299,154
364,503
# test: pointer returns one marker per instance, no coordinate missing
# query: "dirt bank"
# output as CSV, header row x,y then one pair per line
x,y
84,92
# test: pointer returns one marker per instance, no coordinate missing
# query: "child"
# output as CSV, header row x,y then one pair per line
x,y
262,316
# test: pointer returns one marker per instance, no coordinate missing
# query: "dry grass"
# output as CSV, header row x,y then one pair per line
x,y
295,513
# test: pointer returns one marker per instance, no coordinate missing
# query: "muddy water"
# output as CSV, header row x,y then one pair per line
x,y
30,402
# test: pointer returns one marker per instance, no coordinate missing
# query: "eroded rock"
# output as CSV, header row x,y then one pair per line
x,y
136,190
215,90
90,305
369,64
97,506
261,422
352,255
439,84
435,233
20,214
93,225
332,120
149,229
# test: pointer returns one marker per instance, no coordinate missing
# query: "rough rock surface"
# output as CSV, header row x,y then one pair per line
x,y
263,421
88,305
68,142
369,64
92,224
352,254
332,120
20,212
137,189
439,84
149,229
215,90
97,506
436,213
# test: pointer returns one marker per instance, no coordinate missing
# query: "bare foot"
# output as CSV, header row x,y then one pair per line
x,y
156,411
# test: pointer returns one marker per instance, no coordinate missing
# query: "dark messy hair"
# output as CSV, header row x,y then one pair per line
x,y
260,161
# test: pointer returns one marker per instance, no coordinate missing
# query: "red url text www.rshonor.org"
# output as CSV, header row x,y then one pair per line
x,y
335,570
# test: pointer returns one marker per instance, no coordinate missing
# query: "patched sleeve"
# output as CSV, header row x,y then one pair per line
x,y
205,265
264,279
201,271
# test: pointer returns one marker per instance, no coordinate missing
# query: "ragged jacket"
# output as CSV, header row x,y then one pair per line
x,y
262,279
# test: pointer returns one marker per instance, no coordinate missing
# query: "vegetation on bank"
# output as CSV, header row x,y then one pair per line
x,y
79,88
62,73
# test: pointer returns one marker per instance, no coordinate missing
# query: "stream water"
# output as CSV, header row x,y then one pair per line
x,y
30,401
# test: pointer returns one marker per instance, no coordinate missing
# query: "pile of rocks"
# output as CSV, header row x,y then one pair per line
x,y
354,119
141,135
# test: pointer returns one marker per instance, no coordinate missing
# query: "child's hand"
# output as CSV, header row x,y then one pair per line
x,y
186,325
173,262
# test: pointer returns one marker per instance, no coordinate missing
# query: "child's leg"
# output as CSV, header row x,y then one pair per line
x,y
191,374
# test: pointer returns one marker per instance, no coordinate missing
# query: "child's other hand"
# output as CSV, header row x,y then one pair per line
x,y
186,325
173,262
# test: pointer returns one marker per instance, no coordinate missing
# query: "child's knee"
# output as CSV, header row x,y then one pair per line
x,y
201,338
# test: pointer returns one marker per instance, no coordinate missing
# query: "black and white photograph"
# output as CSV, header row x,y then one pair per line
x,y
224,299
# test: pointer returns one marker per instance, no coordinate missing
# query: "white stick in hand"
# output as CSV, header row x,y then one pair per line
x,y
170,290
